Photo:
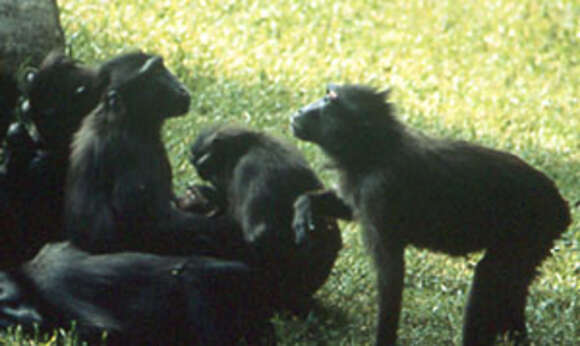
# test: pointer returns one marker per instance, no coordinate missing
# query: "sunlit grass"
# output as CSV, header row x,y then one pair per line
x,y
502,73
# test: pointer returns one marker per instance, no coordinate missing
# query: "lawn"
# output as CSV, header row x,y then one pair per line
x,y
505,74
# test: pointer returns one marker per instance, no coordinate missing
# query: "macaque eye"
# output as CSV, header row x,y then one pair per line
x,y
29,77
80,90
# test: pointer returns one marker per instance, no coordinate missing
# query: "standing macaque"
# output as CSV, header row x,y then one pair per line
x,y
448,196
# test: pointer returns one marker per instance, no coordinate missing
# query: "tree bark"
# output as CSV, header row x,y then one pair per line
x,y
29,30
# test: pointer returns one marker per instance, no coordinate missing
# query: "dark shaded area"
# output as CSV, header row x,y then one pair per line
x,y
138,299
9,219
57,97
9,95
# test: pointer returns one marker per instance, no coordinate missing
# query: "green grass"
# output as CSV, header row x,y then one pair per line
x,y
502,73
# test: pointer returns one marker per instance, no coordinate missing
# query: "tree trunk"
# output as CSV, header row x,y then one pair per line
x,y
29,30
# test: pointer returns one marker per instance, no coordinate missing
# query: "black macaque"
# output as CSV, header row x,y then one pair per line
x,y
119,193
137,298
448,196
57,97
255,179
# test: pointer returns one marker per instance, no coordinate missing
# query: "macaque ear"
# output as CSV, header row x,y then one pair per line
x,y
217,139
384,94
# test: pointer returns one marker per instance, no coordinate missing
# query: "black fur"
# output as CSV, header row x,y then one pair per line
x,y
119,193
9,95
138,299
448,196
59,95
9,217
256,178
